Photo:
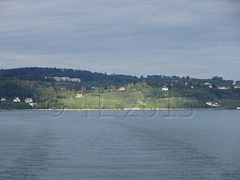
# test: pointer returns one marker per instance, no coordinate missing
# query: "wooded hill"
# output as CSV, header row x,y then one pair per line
x,y
103,91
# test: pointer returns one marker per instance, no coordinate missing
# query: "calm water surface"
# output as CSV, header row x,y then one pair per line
x,y
120,145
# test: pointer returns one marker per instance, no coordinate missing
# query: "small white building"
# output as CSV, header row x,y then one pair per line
x,y
213,104
66,79
236,87
28,100
164,88
16,99
121,89
61,79
75,80
3,99
223,87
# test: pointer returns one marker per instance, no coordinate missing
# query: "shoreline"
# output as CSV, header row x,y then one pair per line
x,y
125,109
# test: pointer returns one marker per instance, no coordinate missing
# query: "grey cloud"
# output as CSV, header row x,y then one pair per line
x,y
115,36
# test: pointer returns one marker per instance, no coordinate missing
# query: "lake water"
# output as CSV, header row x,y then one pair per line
x,y
102,145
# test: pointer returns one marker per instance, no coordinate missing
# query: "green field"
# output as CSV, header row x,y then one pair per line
x,y
121,100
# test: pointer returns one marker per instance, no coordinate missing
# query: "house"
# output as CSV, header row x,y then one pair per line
x,y
213,104
16,99
3,99
79,95
28,100
121,89
65,79
56,78
210,86
164,88
75,80
207,83
236,87
223,87
234,83
209,103
191,87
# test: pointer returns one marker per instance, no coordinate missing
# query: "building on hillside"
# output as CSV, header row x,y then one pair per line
x,y
207,83
213,104
164,88
61,78
121,89
210,86
236,87
66,79
79,95
3,99
223,87
234,83
16,99
28,100
75,80
209,103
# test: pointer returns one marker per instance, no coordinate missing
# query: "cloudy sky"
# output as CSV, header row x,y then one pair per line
x,y
199,38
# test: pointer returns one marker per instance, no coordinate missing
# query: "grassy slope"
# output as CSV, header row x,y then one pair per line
x,y
120,100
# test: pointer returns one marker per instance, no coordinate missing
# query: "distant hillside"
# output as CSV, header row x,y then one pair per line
x,y
36,74
103,91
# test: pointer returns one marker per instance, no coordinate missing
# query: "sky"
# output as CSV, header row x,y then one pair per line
x,y
196,38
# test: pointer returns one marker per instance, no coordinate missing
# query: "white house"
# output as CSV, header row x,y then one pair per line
x,y
121,89
3,99
164,88
75,80
223,87
213,104
16,99
66,79
236,86
28,100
